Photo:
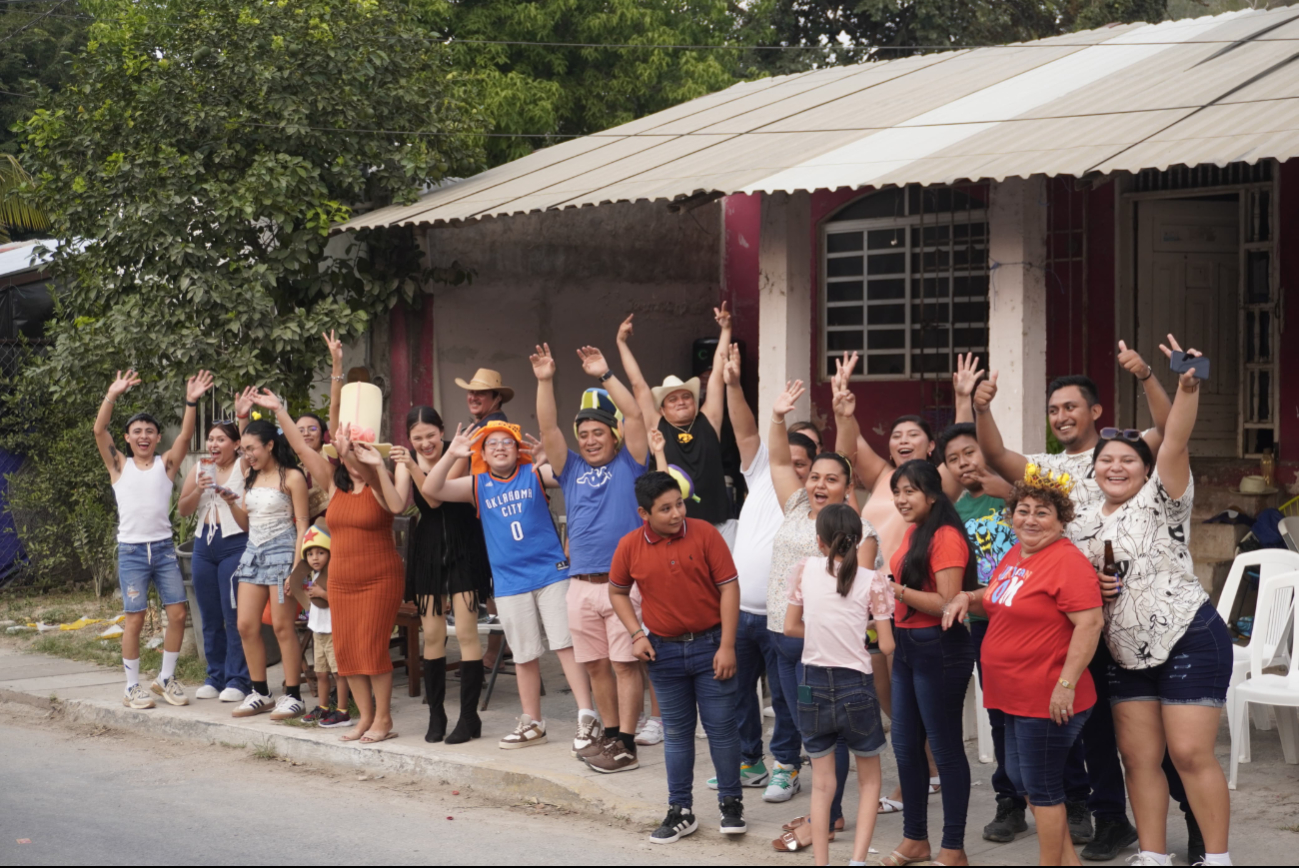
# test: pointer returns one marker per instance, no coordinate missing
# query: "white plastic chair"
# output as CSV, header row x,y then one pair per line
x,y
981,722
1290,532
1270,562
1274,623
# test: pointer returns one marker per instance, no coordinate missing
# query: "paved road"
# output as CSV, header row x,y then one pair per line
x,y
86,797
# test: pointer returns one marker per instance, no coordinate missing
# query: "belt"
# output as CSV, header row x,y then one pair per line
x,y
593,578
689,637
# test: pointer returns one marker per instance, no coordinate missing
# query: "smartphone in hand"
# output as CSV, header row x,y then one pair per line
x,y
1179,362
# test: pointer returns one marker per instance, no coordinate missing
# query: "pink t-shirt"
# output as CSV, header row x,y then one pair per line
x,y
835,626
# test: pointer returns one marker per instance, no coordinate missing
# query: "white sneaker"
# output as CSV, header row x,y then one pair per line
x,y
589,728
650,733
137,697
169,690
784,784
288,708
1143,858
253,704
232,694
207,691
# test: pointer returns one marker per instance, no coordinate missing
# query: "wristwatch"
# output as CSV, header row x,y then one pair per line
x,y
606,375
1065,684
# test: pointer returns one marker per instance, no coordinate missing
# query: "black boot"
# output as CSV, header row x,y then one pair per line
x,y
435,685
1008,822
1080,822
471,686
1110,837
1194,841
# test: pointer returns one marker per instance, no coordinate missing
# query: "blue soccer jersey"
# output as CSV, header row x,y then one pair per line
x,y
522,542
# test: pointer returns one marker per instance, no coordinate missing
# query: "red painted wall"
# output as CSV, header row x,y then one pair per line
x,y
743,221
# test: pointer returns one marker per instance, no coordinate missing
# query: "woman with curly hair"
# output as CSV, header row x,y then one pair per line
x,y
1043,606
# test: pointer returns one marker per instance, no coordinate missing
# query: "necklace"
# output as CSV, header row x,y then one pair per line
x,y
683,434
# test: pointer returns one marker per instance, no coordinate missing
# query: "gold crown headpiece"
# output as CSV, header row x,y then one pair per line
x,y
1036,477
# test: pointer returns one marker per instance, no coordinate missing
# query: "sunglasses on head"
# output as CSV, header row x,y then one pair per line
x,y
1132,435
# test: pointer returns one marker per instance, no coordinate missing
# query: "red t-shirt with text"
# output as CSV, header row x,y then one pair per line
x,y
948,549
1028,631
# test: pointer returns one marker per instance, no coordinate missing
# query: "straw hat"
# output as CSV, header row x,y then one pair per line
x,y
486,380
1255,485
675,384
361,406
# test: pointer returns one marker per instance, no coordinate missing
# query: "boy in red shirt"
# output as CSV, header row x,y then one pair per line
x,y
691,605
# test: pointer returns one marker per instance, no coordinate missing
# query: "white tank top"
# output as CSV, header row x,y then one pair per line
x,y
143,502
213,511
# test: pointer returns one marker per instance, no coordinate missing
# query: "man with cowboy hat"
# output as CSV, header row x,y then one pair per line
x,y
692,444
599,484
486,395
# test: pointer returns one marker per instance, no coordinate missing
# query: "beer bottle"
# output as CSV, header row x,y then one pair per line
x,y
1111,568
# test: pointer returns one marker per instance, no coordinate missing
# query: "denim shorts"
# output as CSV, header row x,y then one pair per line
x,y
1197,672
1036,750
843,703
138,564
267,564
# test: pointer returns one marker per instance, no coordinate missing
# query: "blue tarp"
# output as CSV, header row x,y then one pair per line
x,y
11,549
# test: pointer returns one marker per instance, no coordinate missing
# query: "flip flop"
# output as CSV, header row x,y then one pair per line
x,y
800,821
889,806
897,859
788,843
368,739
355,735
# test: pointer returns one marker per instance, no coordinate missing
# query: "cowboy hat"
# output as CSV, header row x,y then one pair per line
x,y
486,380
674,384
361,406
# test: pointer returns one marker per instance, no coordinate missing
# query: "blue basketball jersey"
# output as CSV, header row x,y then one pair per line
x,y
522,542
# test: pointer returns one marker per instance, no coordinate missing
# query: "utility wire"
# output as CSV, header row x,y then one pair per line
x,y
33,21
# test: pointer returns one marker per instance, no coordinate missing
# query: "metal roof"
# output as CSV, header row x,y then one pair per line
x,y
1128,97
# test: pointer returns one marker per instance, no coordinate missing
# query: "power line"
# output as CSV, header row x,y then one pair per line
x,y
33,21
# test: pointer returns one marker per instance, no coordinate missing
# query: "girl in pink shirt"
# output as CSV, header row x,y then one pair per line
x,y
831,604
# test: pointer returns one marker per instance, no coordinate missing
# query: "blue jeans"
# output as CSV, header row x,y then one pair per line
x,y
843,709
1037,749
1076,785
682,675
755,654
213,565
139,564
789,666
931,671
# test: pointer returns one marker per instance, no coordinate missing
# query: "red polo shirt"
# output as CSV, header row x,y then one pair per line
x,y
680,577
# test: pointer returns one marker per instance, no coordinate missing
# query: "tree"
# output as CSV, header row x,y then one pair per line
x,y
195,164
561,91
37,41
16,213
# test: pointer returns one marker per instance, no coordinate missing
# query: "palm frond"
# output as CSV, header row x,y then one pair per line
x,y
15,212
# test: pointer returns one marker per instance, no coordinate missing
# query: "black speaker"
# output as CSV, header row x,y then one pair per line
x,y
701,355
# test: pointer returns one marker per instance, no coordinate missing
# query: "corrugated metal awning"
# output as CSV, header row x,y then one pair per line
x,y
1130,97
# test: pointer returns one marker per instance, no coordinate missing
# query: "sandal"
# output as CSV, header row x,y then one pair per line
x,y
788,841
935,786
897,859
368,738
889,806
801,821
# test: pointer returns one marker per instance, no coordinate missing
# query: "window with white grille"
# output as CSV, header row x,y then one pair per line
x,y
904,281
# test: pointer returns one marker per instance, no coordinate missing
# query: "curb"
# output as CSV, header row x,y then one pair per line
x,y
500,781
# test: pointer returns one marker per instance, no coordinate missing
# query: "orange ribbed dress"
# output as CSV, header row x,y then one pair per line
x,y
366,582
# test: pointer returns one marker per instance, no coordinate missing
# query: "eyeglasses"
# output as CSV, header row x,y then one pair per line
x,y
498,443
1132,435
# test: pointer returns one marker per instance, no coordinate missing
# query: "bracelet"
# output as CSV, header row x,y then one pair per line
x,y
191,403
777,420
640,632
1150,372
337,378
244,416
606,375
1065,684
902,592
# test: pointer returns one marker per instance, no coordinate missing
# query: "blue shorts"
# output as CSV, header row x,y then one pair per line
x,y
843,703
139,564
1197,672
267,564
1036,750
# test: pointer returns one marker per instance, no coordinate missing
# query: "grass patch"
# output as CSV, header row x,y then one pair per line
x,y
232,745
264,750
1294,828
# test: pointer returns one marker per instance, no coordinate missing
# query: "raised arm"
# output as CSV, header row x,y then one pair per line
x,y
639,388
1174,460
964,381
196,387
870,465
552,438
715,399
1157,399
658,445
315,463
1009,464
368,463
437,486
407,474
783,476
335,378
634,431
244,407
743,422
103,437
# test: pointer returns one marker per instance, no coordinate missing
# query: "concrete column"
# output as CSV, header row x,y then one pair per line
x,y
784,300
1017,310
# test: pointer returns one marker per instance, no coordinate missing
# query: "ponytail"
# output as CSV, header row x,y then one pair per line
x,y
839,529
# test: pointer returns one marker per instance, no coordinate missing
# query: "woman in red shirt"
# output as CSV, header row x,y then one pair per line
x,y
1043,606
931,667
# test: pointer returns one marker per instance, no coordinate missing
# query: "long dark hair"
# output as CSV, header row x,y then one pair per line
x,y
841,461
283,454
230,429
915,566
1140,446
423,414
839,528
324,429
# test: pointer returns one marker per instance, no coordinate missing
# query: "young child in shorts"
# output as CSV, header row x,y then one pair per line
x,y
316,552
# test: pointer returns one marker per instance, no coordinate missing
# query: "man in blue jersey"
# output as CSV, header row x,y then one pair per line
x,y
529,567
599,483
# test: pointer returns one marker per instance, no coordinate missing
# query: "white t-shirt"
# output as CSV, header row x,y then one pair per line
x,y
319,620
1086,493
834,626
759,520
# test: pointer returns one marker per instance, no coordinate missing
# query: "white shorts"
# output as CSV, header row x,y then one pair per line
x,y
524,615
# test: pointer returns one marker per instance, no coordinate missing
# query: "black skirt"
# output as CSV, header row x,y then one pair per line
x,y
448,555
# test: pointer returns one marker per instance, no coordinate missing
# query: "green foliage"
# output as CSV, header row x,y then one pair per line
x,y
200,154
575,91
37,47
16,213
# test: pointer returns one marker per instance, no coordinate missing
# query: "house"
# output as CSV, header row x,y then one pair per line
x,y
1033,203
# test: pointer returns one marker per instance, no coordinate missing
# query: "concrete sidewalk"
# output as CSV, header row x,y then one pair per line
x,y
1266,804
